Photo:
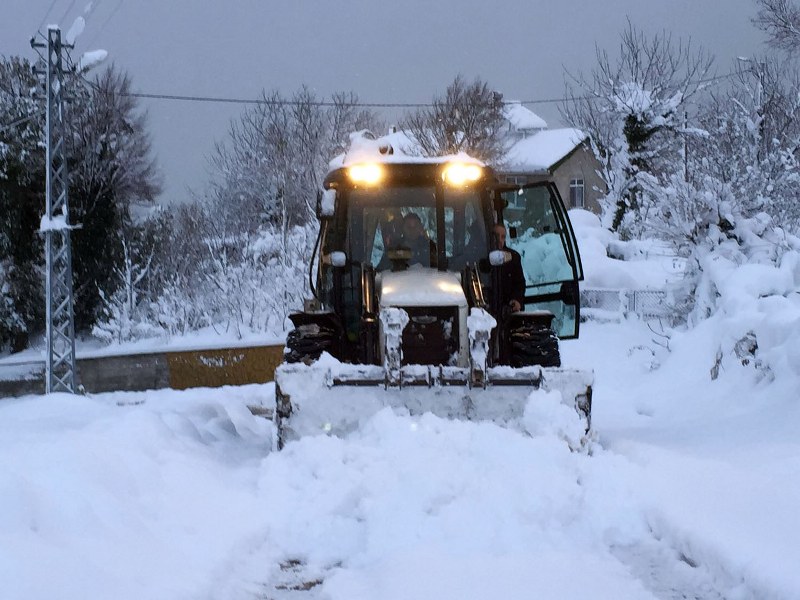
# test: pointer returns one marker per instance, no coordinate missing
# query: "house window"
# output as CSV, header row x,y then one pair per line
x,y
576,193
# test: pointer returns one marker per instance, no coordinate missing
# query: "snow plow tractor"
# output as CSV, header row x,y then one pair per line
x,y
411,308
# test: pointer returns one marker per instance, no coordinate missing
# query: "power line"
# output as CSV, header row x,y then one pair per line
x,y
718,77
230,100
269,102
47,14
105,23
66,12
274,102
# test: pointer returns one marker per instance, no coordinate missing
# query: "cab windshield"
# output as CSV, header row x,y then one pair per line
x,y
396,228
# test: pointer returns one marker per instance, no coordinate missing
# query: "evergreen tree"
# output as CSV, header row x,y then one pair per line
x,y
22,181
109,168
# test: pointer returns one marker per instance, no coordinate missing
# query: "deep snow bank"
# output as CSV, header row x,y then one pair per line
x,y
124,495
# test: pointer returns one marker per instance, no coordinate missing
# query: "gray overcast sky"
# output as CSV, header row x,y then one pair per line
x,y
401,51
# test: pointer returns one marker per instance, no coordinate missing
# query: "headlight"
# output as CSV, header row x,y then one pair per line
x,y
369,173
461,173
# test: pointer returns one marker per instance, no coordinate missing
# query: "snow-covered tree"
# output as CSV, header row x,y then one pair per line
x,y
780,19
123,317
233,282
633,109
738,199
12,323
237,258
271,166
468,118
22,178
111,167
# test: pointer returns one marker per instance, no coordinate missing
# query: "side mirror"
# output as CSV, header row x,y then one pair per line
x,y
497,258
326,203
338,258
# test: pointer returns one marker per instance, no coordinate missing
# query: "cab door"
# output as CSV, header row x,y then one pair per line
x,y
539,229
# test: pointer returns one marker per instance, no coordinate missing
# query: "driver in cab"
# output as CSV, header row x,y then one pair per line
x,y
415,238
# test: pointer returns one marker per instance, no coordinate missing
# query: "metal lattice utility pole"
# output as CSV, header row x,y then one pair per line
x,y
60,374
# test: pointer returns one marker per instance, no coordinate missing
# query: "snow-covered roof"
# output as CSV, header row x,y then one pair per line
x,y
521,118
404,149
541,151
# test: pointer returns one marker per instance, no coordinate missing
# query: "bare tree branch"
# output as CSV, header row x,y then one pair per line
x,y
780,20
469,118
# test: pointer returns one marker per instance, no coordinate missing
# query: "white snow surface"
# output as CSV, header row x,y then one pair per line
x,y
54,223
78,25
421,286
541,151
689,490
521,117
646,265
169,494
91,59
364,148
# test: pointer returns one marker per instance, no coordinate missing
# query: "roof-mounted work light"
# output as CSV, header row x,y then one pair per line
x,y
367,173
461,173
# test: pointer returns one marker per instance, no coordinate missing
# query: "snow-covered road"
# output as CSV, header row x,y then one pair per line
x,y
690,492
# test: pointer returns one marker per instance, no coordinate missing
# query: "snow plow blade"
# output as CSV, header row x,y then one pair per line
x,y
312,399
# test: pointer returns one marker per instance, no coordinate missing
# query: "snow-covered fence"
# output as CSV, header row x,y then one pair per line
x,y
603,304
649,304
611,301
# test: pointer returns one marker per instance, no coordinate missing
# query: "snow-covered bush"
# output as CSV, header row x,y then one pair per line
x,y
755,302
121,321
755,260
123,315
257,291
235,286
180,308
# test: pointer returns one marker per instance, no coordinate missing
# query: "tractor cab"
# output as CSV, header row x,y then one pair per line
x,y
419,235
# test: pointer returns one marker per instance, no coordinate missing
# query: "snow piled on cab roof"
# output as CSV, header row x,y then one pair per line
x,y
396,147
544,149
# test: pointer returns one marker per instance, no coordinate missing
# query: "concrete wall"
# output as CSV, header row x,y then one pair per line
x,y
137,372
581,164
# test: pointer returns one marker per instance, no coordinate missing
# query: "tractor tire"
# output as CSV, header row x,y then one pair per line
x,y
306,343
533,344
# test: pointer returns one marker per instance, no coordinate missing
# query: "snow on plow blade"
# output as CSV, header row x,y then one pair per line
x,y
328,397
